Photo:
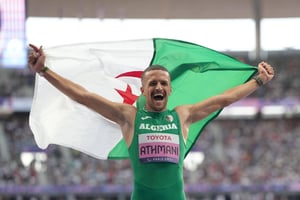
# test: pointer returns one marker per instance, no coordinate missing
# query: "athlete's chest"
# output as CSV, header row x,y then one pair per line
x,y
158,138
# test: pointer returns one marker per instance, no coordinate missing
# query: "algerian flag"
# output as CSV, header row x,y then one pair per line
x,y
113,70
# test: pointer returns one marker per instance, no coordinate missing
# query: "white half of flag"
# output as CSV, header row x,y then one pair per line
x,y
56,119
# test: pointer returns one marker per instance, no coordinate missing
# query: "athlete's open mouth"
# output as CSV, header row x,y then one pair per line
x,y
158,97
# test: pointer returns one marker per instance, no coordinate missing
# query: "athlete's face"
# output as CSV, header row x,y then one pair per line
x,y
156,87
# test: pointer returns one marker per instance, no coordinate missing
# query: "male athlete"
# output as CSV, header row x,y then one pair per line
x,y
155,136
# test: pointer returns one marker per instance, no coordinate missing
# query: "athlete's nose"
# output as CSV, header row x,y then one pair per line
x,y
158,86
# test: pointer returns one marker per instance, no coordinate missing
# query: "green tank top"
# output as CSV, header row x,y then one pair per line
x,y
157,153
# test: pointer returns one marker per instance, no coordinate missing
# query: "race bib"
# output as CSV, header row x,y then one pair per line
x,y
159,147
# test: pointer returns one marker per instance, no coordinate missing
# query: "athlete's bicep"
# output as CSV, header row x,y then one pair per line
x,y
204,108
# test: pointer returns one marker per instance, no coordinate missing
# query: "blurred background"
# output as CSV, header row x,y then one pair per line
x,y
250,152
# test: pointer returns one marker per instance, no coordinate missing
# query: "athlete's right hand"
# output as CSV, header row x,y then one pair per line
x,y
36,59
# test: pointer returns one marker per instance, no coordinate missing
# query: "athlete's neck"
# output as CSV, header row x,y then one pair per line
x,y
151,110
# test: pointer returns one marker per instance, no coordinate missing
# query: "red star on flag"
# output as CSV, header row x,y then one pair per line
x,y
127,95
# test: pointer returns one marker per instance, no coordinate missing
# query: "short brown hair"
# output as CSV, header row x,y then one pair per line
x,y
154,67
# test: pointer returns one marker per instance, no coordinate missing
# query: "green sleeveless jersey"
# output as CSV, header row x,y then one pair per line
x,y
157,153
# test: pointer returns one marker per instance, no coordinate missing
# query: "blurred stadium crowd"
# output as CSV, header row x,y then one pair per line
x,y
237,152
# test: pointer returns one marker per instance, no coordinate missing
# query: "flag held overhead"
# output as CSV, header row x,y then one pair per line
x,y
113,70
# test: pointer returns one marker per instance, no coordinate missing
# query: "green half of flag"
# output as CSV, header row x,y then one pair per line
x,y
197,73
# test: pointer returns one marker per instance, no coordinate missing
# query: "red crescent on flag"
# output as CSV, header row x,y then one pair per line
x,y
136,74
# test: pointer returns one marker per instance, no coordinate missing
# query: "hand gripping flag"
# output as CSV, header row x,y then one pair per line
x,y
113,70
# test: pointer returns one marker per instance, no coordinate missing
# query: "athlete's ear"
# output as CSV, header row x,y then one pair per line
x,y
142,89
170,91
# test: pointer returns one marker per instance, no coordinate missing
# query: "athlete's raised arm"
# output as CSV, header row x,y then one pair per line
x,y
117,112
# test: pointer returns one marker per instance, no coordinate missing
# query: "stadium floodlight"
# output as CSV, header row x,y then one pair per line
x,y
273,111
239,112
